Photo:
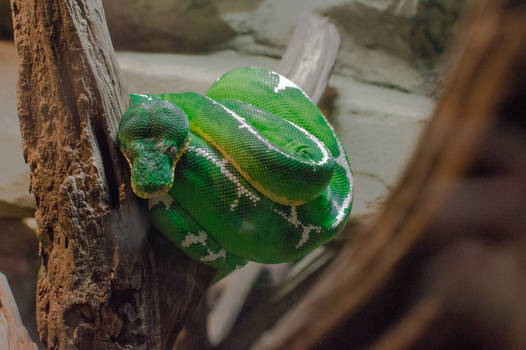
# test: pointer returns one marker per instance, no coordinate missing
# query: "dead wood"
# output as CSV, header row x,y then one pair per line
x,y
101,287
13,334
442,265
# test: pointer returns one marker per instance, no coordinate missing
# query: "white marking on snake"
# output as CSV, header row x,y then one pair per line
x,y
247,226
191,239
341,160
294,221
294,217
234,204
149,98
284,83
166,200
243,124
214,256
305,235
221,164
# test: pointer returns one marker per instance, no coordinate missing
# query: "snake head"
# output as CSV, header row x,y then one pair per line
x,y
153,134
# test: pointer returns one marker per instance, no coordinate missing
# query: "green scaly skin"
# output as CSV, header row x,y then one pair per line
x,y
251,171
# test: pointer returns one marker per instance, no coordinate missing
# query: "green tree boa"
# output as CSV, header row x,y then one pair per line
x,y
250,171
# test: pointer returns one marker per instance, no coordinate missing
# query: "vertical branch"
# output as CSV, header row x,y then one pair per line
x,y
97,288
104,285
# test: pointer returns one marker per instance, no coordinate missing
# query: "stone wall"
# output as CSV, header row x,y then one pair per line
x,y
387,42
166,25
392,43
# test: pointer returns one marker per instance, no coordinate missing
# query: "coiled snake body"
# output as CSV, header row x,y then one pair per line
x,y
251,171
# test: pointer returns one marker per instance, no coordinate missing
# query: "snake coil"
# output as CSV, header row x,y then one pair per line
x,y
250,171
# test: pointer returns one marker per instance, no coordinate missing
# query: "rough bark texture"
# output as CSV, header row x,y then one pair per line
x,y
442,266
13,334
100,288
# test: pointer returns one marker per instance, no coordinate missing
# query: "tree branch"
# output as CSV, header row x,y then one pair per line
x,y
100,285
311,54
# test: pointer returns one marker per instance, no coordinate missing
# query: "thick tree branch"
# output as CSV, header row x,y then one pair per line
x,y
100,288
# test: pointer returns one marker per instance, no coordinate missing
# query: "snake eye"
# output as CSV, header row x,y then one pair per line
x,y
172,151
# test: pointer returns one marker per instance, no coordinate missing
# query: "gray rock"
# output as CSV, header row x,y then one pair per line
x,y
391,43
273,22
165,25
15,199
156,73
383,41
434,25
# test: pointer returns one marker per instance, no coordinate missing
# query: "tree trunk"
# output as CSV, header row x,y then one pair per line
x,y
100,288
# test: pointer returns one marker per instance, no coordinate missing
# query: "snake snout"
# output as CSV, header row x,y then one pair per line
x,y
152,175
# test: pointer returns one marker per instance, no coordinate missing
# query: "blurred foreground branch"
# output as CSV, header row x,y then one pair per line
x,y
442,265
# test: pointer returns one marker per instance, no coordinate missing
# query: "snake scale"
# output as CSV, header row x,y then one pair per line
x,y
250,171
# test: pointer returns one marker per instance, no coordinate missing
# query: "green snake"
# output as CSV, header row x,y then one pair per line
x,y
251,171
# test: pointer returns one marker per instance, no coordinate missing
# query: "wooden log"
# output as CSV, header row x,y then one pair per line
x,y
103,287
13,334
440,266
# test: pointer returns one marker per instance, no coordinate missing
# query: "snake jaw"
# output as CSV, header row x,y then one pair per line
x,y
148,184
147,195
150,171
